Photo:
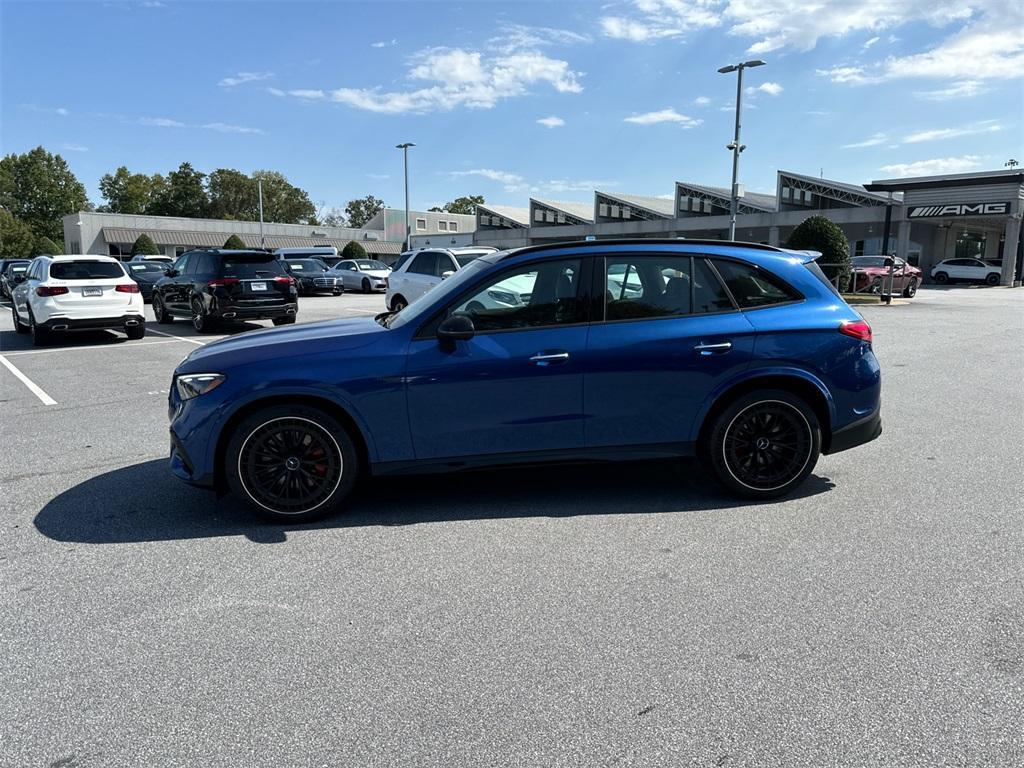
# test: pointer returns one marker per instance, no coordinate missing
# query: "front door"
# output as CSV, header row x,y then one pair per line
x,y
517,385
670,334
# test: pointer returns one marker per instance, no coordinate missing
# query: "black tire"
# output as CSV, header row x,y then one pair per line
x,y
163,317
764,444
337,292
992,278
135,332
18,327
291,463
910,291
398,303
201,321
40,336
284,320
941,278
366,285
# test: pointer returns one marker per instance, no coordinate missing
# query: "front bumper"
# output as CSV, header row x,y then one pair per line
x,y
858,433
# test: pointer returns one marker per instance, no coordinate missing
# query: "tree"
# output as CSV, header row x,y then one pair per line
x,y
466,205
39,189
333,217
233,195
144,244
283,202
353,250
235,243
817,233
127,192
16,238
45,245
184,194
363,209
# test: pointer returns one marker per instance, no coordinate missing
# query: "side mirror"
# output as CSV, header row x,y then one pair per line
x,y
456,328
890,262
446,275
171,272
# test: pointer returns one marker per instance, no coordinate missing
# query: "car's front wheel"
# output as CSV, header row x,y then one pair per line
x,y
398,303
160,313
17,321
291,463
764,444
911,290
941,278
992,279
366,285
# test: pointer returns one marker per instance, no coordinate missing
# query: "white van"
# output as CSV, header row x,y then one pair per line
x,y
326,253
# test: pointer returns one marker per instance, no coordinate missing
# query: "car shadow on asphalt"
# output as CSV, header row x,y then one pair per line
x,y
144,502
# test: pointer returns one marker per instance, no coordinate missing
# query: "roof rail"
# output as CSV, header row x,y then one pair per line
x,y
639,241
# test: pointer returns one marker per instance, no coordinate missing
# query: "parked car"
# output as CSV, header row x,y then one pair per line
x,y
416,272
69,293
146,274
871,274
972,270
328,254
364,275
13,272
214,285
152,257
313,276
739,353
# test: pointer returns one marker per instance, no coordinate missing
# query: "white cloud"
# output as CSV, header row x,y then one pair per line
x,y
384,43
459,78
226,128
515,183
378,175
244,77
663,18
961,90
552,122
772,89
935,166
702,101
663,116
874,141
936,134
276,92
520,37
504,177
634,31
161,122
845,74
61,111
72,147
868,43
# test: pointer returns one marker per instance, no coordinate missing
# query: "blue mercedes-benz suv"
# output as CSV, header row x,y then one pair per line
x,y
740,354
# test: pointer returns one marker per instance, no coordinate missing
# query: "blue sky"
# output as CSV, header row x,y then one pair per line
x,y
512,100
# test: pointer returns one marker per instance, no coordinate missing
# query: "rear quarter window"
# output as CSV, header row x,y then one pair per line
x,y
752,287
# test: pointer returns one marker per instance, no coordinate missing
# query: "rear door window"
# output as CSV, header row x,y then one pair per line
x,y
85,270
752,287
654,286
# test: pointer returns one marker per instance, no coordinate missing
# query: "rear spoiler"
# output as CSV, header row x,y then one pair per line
x,y
804,257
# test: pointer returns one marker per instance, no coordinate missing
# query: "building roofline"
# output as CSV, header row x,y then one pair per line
x,y
634,204
981,178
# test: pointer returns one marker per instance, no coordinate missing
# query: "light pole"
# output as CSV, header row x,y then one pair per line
x,y
735,146
259,188
405,157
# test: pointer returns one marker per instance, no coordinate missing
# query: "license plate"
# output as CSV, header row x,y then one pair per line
x,y
257,286
92,291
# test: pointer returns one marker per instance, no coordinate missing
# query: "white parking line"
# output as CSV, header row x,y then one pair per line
x,y
33,387
179,338
89,346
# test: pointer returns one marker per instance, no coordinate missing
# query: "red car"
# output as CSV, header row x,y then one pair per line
x,y
871,273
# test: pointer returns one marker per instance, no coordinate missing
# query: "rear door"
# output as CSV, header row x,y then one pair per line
x,y
421,275
176,291
254,280
91,287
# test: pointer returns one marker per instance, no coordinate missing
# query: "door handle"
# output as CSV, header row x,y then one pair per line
x,y
706,350
549,358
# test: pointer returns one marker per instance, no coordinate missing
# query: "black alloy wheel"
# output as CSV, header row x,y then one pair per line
x,y
992,279
764,444
398,304
911,290
160,313
941,278
291,463
40,336
201,321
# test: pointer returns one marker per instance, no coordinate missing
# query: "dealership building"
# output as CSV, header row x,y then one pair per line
x,y
923,220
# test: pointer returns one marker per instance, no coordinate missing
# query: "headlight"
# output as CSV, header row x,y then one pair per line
x,y
194,384
504,297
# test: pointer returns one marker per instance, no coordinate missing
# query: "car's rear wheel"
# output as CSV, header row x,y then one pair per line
x,y
40,336
135,331
284,320
992,279
911,290
201,321
163,317
764,444
399,303
941,278
291,463
17,321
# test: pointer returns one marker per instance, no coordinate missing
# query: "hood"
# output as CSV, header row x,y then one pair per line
x,y
375,272
277,343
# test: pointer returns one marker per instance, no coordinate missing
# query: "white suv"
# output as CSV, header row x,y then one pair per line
x,y
416,272
65,293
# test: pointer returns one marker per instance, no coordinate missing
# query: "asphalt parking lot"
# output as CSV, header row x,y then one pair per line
x,y
572,616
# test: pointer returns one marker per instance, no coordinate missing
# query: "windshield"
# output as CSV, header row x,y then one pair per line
x,y
368,266
869,261
149,269
18,268
85,270
446,288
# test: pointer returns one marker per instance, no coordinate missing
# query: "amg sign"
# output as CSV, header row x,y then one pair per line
x,y
959,209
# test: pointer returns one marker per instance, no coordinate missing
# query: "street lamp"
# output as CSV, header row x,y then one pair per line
x,y
735,147
405,156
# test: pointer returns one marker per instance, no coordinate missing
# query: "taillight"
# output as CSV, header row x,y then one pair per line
x,y
283,279
220,282
51,290
127,288
856,329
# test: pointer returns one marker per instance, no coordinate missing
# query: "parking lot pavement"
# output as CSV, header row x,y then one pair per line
x,y
566,616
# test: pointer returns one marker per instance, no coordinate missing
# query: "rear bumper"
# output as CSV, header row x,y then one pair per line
x,y
858,433
256,313
92,323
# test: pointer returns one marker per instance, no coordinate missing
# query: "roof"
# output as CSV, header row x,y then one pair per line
x,y
583,211
750,199
74,256
950,180
518,215
122,235
856,189
660,205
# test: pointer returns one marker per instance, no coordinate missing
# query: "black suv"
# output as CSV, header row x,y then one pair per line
x,y
212,285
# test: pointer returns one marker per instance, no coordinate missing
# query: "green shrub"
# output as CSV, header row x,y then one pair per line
x,y
353,251
820,234
45,245
235,243
144,244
